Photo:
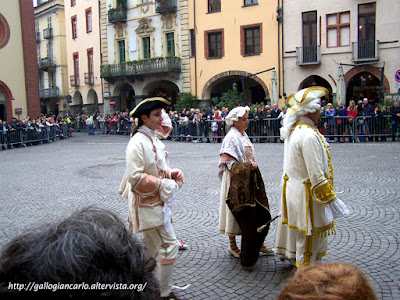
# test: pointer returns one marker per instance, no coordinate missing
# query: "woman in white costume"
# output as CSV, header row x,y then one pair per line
x,y
236,147
151,188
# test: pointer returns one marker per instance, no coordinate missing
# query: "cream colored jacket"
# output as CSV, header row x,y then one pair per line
x,y
145,185
307,181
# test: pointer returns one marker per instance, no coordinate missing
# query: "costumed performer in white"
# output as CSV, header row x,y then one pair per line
x,y
163,133
236,146
309,205
151,188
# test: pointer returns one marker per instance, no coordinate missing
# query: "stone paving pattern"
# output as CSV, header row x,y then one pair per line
x,y
43,183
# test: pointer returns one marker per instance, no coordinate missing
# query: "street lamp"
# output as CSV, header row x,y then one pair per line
x,y
363,81
234,86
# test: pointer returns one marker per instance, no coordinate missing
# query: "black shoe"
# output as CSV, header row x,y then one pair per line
x,y
171,296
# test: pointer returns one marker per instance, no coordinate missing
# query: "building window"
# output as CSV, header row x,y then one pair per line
x,y
338,29
214,44
89,20
146,47
170,44
250,39
309,36
145,1
37,27
366,22
121,51
214,6
73,2
366,30
49,24
250,2
192,43
74,28
49,50
52,79
76,69
90,65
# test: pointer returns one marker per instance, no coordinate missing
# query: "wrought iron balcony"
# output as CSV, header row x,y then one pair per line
x,y
310,55
164,6
74,80
116,15
47,63
144,67
49,93
48,33
89,79
37,36
365,51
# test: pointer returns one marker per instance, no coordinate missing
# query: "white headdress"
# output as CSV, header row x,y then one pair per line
x,y
303,102
235,114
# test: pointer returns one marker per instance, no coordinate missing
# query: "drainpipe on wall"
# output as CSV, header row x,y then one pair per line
x,y
283,61
279,19
101,62
195,48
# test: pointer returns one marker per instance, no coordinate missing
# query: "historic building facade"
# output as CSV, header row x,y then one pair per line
x,y
51,54
351,48
19,94
82,28
235,45
143,55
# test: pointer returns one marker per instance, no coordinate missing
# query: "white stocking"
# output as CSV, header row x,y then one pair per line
x,y
165,279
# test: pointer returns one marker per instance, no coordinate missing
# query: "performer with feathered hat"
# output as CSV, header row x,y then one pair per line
x,y
309,205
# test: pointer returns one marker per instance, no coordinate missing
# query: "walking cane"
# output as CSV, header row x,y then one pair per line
x,y
262,227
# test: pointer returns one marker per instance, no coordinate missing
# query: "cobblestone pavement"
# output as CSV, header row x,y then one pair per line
x,y
46,182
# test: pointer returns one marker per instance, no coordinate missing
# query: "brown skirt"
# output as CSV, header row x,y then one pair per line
x,y
249,219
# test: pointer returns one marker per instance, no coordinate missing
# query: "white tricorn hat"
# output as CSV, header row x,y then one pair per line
x,y
306,95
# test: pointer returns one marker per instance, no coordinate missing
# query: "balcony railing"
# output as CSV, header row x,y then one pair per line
x,y
74,80
164,6
37,36
47,63
151,66
48,33
49,93
89,79
365,51
309,55
116,15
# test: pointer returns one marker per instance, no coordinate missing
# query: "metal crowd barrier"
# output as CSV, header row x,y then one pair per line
x,y
360,129
33,135
109,127
338,128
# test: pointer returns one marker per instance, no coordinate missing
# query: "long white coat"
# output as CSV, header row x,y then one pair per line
x,y
307,195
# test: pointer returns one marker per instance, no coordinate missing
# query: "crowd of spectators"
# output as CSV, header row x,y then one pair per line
x,y
361,120
31,131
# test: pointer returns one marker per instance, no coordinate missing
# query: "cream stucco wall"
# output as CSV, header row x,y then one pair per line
x,y
232,16
157,28
53,9
12,71
83,42
387,32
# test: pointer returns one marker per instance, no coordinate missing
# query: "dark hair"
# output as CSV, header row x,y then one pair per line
x,y
140,123
92,246
360,107
331,281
